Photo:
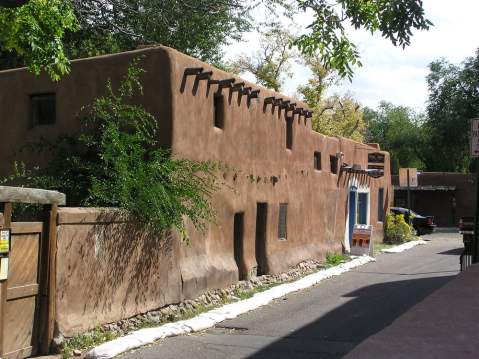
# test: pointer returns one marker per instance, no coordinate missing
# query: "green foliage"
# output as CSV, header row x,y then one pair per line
x,y
400,131
200,28
453,102
272,63
34,32
339,116
117,162
327,36
322,78
397,230
335,259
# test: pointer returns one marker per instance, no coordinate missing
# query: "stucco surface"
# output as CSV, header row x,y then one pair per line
x,y
107,270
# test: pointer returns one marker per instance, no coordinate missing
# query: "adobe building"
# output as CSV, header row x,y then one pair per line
x,y
291,193
447,196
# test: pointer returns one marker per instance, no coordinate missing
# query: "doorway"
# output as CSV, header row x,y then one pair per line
x,y
238,243
260,239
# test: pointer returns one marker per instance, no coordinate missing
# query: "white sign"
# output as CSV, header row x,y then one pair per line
x,y
403,177
475,137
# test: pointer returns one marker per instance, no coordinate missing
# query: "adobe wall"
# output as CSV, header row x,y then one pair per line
x,y
253,144
86,82
108,269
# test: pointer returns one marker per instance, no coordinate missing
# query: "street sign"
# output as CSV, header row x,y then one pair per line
x,y
362,243
403,177
475,137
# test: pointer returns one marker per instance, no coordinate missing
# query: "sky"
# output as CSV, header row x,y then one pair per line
x,y
394,74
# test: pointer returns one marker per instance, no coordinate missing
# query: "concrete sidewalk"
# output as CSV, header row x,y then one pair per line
x,y
444,325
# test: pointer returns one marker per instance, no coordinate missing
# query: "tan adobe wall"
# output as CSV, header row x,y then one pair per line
x,y
86,82
107,271
253,144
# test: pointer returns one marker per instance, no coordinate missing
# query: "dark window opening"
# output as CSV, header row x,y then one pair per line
x,y
317,161
334,164
381,205
362,209
289,133
238,243
219,110
261,230
283,221
42,109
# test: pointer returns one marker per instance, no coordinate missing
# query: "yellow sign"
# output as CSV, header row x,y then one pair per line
x,y
4,241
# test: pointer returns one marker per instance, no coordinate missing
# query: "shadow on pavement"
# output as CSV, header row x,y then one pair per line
x,y
455,251
371,309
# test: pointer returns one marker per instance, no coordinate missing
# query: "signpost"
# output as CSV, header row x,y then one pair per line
x,y
408,178
362,243
475,154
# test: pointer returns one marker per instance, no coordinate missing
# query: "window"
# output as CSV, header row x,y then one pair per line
x,y
283,221
289,133
317,161
219,110
334,164
362,208
42,109
381,205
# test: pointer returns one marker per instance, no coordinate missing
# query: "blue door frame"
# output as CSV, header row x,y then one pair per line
x,y
352,212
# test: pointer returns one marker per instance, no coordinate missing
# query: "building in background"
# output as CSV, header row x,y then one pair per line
x,y
445,195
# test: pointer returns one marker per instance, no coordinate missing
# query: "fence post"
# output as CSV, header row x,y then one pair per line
x,y
7,221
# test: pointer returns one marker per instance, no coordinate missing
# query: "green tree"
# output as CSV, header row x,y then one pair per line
x,y
272,63
339,116
34,32
322,78
327,35
399,130
116,161
453,102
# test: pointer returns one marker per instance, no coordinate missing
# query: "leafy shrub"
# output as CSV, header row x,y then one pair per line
x,y
397,230
116,161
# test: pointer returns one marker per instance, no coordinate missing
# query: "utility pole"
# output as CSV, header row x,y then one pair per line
x,y
475,247
475,154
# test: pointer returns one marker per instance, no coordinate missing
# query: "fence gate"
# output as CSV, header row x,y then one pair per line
x,y
27,295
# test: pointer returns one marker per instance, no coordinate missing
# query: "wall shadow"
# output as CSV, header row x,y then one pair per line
x,y
336,333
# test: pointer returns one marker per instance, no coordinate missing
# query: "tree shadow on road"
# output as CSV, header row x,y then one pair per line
x,y
336,333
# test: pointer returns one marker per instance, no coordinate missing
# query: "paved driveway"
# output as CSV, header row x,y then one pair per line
x,y
330,319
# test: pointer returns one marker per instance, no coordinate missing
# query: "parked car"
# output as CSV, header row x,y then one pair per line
x,y
466,228
422,224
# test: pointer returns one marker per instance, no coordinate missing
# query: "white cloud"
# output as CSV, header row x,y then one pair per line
x,y
393,74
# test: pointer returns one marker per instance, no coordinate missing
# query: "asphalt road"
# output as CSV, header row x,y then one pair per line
x,y
330,319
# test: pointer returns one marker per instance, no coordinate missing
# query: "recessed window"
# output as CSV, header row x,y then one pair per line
x,y
334,164
43,109
381,204
283,221
289,133
317,161
219,110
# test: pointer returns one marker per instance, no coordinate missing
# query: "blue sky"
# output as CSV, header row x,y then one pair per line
x,y
393,74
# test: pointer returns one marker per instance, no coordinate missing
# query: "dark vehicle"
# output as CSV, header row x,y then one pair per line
x,y
422,224
466,228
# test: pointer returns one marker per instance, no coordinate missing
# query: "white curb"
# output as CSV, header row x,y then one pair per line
x,y
210,319
403,247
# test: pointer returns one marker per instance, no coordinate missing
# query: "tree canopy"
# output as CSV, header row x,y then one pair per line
x,y
44,40
35,32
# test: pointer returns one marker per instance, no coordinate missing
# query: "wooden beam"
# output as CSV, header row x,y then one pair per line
x,y
31,195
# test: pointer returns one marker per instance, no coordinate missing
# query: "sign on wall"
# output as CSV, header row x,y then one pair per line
x,y
4,242
361,242
475,137
403,177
